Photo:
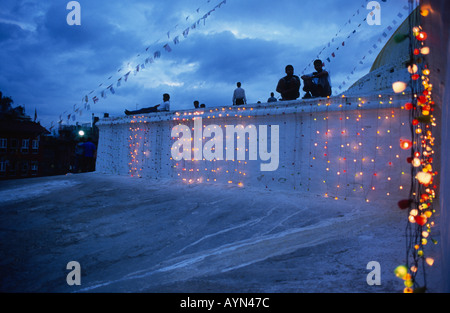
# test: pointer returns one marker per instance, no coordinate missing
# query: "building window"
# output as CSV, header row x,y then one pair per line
x,y
25,145
34,167
3,144
2,166
13,145
12,168
24,168
35,145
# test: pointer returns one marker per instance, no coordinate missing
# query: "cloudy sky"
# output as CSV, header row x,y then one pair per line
x,y
48,65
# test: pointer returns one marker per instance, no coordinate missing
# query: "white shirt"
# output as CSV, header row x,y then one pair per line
x,y
239,93
320,81
165,106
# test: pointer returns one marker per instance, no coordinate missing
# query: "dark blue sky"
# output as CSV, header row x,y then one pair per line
x,y
50,66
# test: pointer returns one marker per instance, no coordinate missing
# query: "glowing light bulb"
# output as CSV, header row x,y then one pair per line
x,y
405,144
399,87
416,162
413,69
424,12
421,36
408,106
425,50
401,271
424,178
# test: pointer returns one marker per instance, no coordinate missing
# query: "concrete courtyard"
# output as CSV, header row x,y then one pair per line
x,y
137,235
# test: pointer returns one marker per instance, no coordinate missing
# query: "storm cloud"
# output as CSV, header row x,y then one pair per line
x,y
48,65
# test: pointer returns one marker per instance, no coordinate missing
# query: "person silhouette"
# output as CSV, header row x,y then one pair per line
x,y
239,95
317,84
272,98
164,107
289,86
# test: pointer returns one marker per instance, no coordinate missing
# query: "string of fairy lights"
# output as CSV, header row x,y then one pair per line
x,y
352,149
340,147
420,204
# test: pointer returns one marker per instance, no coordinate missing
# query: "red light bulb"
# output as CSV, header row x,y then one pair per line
x,y
422,99
422,36
405,144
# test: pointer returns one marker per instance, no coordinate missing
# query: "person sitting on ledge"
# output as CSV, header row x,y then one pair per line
x,y
164,107
317,84
289,85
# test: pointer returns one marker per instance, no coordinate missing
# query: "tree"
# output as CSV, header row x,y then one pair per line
x,y
5,103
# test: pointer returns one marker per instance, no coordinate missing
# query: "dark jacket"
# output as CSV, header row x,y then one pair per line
x,y
289,87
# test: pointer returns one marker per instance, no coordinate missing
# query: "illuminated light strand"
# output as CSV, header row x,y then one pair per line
x,y
340,159
422,193
330,125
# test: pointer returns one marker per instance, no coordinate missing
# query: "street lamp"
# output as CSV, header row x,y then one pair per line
x,y
81,133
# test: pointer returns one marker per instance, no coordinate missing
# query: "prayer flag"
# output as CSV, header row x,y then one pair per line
x,y
126,75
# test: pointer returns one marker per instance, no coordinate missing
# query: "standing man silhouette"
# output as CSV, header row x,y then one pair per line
x,y
239,95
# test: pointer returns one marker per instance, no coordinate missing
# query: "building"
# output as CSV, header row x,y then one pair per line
x,y
21,151
61,155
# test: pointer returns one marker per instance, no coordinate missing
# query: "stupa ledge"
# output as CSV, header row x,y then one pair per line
x,y
375,100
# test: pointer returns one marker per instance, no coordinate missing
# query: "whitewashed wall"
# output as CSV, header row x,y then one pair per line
x,y
338,147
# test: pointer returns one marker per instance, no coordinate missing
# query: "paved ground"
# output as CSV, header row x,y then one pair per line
x,y
135,235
